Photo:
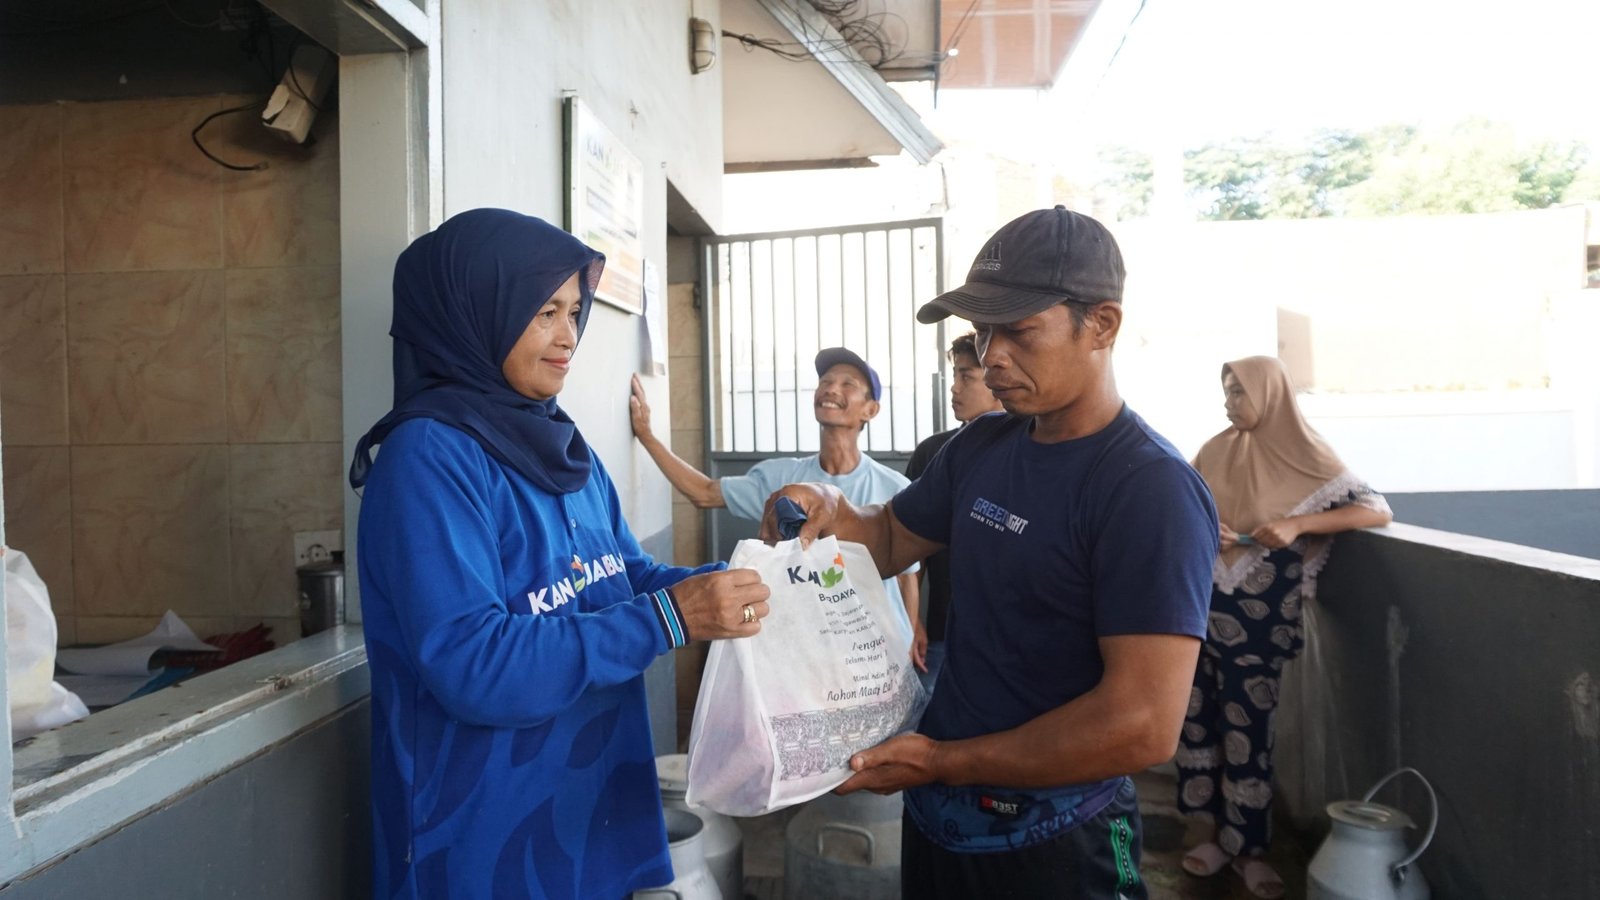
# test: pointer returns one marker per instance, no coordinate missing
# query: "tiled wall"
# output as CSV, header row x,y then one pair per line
x,y
687,384
169,361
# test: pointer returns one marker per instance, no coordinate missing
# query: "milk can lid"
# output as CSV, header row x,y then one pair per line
x,y
1369,815
672,772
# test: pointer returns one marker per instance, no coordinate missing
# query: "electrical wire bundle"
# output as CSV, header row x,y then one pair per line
x,y
854,29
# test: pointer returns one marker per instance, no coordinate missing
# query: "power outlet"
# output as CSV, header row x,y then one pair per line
x,y
316,546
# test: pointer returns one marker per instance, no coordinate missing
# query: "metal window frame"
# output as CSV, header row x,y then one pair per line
x,y
715,392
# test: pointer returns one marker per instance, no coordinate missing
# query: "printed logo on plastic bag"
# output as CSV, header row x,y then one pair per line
x,y
780,714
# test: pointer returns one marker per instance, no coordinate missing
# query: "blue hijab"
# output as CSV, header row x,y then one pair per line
x,y
463,295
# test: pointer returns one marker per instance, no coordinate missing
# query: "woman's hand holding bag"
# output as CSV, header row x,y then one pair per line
x,y
717,605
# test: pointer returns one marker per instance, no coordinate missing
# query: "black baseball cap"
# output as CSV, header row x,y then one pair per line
x,y
833,356
1032,263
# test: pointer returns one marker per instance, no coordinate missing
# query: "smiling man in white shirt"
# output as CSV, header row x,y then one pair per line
x,y
846,399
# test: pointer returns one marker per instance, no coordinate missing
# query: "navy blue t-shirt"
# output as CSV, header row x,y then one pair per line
x,y
1052,547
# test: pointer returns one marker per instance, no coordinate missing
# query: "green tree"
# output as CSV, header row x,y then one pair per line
x,y
1474,166
1471,167
1585,184
1126,182
1338,160
1234,179
1262,177
1548,172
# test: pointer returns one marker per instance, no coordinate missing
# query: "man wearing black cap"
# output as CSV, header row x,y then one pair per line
x,y
1081,546
846,399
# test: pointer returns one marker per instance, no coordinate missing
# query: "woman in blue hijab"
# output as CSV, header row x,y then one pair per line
x,y
509,612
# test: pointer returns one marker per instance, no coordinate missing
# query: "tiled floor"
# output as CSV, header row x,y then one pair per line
x,y
1165,837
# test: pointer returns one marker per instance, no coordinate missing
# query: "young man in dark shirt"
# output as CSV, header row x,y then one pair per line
x,y
1081,546
969,399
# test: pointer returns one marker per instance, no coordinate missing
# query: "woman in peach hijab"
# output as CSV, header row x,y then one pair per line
x,y
1281,493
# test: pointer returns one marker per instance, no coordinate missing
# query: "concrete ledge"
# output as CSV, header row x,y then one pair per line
x,y
76,784
1500,551
1473,661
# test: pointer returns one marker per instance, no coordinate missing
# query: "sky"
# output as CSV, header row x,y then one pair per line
x,y
1192,71
1195,71
1198,70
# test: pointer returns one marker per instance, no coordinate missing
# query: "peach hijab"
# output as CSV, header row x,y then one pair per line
x,y
1282,467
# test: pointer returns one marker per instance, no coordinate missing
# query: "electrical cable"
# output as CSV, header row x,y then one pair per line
x,y
255,26
255,21
199,26
1125,32
263,22
195,136
864,34
957,32
294,77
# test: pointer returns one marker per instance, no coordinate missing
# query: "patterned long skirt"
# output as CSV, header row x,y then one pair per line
x,y
1225,754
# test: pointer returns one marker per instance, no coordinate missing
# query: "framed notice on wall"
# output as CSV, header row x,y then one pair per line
x,y
605,203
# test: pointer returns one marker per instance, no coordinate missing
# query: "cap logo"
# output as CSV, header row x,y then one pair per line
x,y
990,260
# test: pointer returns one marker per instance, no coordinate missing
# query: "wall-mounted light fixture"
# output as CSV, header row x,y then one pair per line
x,y
702,46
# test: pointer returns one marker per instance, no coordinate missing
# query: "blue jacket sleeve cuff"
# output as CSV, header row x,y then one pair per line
x,y
670,617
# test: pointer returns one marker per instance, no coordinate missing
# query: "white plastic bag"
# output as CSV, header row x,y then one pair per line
x,y
829,674
37,702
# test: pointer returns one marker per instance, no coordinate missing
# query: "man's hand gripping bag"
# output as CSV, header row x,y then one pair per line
x,y
829,674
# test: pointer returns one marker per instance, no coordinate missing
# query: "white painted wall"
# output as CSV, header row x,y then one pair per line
x,y
784,110
1402,442
1466,442
505,66
388,195
1450,353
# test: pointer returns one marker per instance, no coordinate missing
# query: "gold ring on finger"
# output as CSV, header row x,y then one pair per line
x,y
749,615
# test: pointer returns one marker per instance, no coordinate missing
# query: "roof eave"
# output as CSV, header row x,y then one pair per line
x,y
811,29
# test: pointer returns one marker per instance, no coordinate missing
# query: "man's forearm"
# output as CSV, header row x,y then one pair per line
x,y
1069,745
702,490
874,527
1109,731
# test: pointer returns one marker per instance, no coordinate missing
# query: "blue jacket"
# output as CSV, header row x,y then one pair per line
x,y
507,630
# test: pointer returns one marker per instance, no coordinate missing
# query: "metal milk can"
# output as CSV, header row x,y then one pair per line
x,y
1365,857
321,595
724,841
685,844
844,848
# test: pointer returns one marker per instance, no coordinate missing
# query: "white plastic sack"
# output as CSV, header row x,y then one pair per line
x,y
37,702
1310,766
829,674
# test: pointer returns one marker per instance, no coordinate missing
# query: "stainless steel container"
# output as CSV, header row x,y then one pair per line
x,y
844,848
1365,857
691,880
724,841
321,595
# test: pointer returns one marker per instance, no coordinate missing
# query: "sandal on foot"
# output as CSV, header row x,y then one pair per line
x,y
1260,878
1205,860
